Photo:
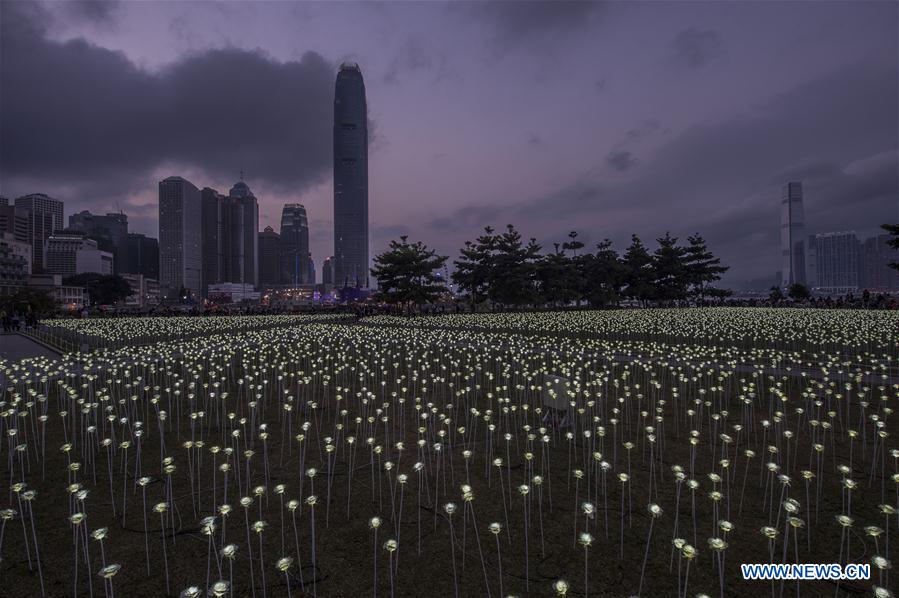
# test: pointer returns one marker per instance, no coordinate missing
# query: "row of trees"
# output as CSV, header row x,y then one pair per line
x,y
102,289
506,270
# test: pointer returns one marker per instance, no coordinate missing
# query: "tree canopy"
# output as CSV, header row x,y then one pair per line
x,y
27,300
408,273
103,289
502,268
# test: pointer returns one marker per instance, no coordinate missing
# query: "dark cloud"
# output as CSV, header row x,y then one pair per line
x,y
412,56
695,48
101,12
621,160
384,234
78,114
534,140
806,170
516,23
645,129
471,219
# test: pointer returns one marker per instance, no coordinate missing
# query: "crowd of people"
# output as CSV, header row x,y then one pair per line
x,y
16,322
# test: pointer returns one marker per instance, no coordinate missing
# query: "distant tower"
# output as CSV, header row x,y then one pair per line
x,y
44,217
244,234
350,178
230,236
294,245
328,270
269,258
792,235
180,234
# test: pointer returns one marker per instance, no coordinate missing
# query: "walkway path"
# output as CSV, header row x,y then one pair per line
x,y
15,347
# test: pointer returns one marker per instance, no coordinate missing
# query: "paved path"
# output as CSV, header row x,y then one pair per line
x,y
15,347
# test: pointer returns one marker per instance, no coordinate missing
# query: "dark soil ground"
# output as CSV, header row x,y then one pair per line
x,y
345,547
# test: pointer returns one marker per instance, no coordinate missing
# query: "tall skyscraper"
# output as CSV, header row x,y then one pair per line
x,y
269,258
44,216
110,232
294,245
792,235
230,238
180,234
244,234
141,256
350,178
213,237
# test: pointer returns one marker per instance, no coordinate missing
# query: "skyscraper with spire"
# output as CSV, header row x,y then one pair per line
x,y
350,178
792,235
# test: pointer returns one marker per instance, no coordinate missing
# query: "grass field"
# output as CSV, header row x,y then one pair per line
x,y
637,452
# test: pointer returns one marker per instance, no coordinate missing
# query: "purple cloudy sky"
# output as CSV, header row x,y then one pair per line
x,y
608,118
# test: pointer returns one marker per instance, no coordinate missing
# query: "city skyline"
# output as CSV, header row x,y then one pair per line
x,y
604,118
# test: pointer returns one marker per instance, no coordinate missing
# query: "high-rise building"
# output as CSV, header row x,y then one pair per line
x,y
214,237
230,237
294,245
110,232
13,267
14,221
245,235
141,256
269,258
792,235
836,263
328,270
350,178
310,278
43,203
875,272
19,248
180,234
44,216
70,252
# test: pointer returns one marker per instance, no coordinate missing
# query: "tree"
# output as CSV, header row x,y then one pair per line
x,y
893,230
103,289
406,273
499,267
669,270
573,245
775,295
603,275
637,271
557,278
798,292
26,300
515,265
474,269
703,268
